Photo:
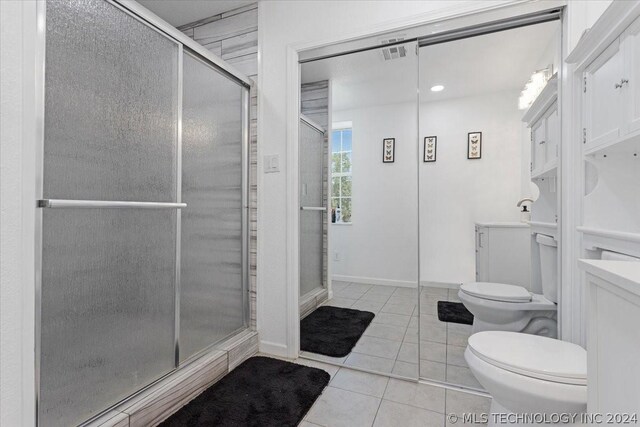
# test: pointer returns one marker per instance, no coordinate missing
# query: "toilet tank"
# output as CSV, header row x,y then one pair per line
x,y
548,248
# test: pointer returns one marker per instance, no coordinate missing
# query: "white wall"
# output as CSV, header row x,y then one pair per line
x,y
381,243
17,207
454,192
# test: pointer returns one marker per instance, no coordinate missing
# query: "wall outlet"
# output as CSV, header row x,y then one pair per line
x,y
271,163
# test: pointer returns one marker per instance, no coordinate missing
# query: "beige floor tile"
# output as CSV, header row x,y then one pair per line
x,y
390,332
307,424
456,335
427,290
337,285
433,351
392,319
322,357
372,363
402,300
378,347
413,323
382,290
462,376
360,382
372,306
405,309
435,333
405,369
348,293
432,370
359,287
416,394
341,302
459,402
408,352
342,408
368,296
411,335
453,295
405,292
331,369
392,414
455,356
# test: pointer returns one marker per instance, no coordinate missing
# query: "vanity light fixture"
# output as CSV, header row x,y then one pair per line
x,y
437,88
533,87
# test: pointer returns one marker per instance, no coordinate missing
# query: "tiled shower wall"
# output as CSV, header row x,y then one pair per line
x,y
233,36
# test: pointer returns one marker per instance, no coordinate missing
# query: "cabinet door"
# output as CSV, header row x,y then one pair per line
x,y
602,97
538,141
631,90
553,136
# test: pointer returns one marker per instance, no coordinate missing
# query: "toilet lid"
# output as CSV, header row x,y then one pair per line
x,y
532,355
497,291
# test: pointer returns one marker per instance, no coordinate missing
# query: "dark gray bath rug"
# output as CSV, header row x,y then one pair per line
x,y
261,392
333,331
454,312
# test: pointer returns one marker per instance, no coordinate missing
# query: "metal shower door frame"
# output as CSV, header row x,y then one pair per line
x,y
183,42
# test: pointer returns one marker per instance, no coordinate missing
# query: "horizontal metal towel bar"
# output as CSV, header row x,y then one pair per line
x,y
312,208
58,203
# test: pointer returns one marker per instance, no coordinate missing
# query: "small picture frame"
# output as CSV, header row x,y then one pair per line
x,y
388,150
474,145
430,147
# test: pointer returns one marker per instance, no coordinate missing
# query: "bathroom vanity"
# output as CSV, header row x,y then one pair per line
x,y
503,253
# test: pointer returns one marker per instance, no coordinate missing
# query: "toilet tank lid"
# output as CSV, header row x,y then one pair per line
x,y
532,355
543,239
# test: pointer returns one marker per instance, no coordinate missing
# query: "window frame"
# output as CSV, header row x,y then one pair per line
x,y
341,127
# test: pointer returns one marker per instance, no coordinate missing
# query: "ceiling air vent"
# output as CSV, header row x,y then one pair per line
x,y
394,51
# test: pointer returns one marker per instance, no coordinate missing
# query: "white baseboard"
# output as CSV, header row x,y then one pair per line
x,y
275,349
444,285
374,281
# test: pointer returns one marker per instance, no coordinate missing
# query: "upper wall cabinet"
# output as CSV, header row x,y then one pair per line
x,y
612,93
543,119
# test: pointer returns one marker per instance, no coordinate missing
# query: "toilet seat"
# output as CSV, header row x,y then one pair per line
x,y
497,292
534,356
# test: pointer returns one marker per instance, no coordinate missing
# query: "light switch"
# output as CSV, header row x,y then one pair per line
x,y
271,163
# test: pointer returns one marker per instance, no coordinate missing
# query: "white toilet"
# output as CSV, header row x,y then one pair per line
x,y
504,307
531,378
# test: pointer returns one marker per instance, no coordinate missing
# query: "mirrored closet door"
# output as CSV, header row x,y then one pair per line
x,y
488,219
358,176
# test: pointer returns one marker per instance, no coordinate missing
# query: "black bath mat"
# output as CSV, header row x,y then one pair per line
x,y
333,331
260,392
454,312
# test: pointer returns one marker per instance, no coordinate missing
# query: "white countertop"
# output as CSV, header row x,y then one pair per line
x,y
503,224
625,274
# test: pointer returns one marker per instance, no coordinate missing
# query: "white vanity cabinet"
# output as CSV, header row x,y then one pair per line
x,y
612,93
503,253
613,337
544,121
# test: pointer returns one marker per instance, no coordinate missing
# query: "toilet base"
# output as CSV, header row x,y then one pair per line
x,y
500,416
544,324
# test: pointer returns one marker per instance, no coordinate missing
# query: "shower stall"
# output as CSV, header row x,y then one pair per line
x,y
142,220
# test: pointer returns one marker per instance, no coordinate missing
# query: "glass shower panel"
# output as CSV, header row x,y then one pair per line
x,y
312,161
111,105
212,293
107,308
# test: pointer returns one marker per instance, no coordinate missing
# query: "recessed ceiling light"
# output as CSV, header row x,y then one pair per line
x,y
437,88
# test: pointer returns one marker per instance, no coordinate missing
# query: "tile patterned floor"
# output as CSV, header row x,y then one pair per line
x,y
390,343
356,399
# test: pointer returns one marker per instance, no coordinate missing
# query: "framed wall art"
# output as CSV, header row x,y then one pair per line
x,y
474,145
430,147
388,150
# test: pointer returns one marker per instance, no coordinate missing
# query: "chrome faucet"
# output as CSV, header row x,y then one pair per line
x,y
526,199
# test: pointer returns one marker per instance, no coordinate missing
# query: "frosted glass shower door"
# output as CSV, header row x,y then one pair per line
x,y
312,211
108,275
212,301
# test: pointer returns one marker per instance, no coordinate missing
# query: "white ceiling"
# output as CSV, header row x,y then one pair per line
x,y
490,63
180,12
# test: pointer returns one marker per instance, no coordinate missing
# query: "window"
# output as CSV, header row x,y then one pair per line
x,y
341,173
